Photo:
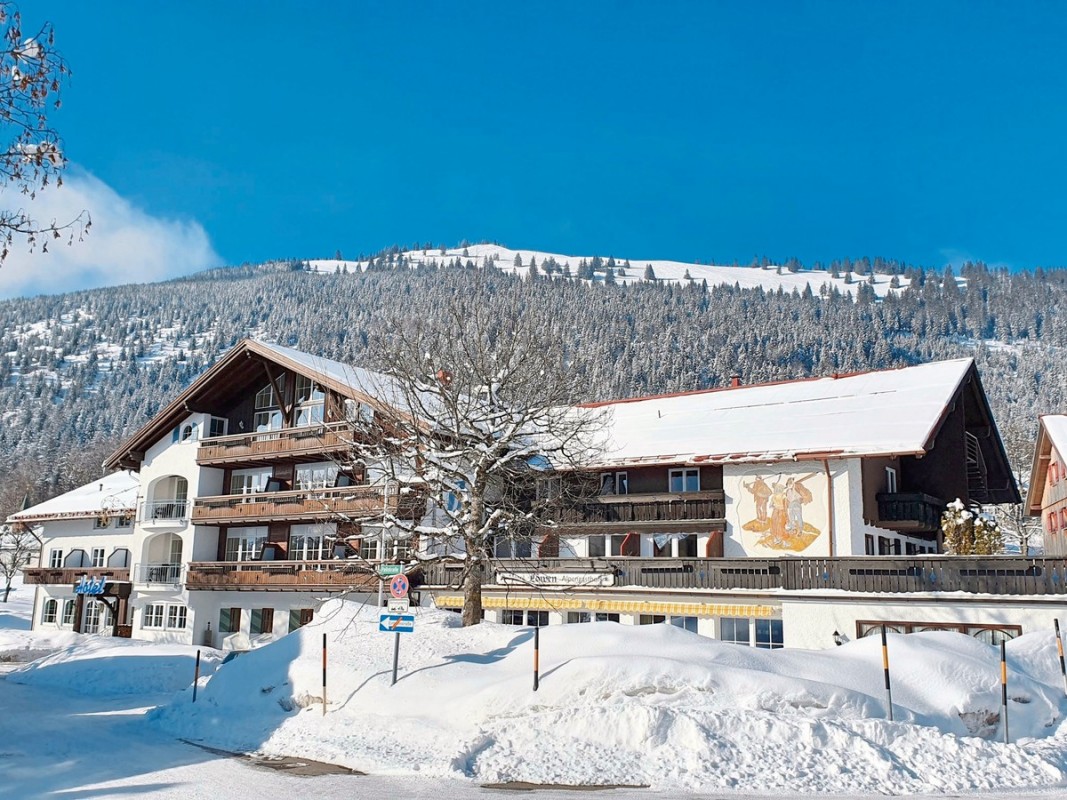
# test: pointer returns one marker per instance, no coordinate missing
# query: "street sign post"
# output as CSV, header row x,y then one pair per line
x,y
388,570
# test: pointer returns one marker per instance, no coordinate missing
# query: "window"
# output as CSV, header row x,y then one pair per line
x,y
368,548
607,617
189,432
154,614
311,542
265,397
614,483
651,619
596,547
513,548
549,488
734,630
537,619
625,544
868,544
685,623
511,617
101,521
769,634
990,634
123,521
51,608
249,481
262,621
245,544
55,558
229,620
574,617
216,426
890,480
316,476
684,480
299,617
176,616
96,615
68,612
267,417
883,545
309,401
687,546
98,557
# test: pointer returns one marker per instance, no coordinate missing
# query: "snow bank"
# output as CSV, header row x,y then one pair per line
x,y
92,665
638,705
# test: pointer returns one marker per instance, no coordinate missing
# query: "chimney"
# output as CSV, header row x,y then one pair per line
x,y
735,381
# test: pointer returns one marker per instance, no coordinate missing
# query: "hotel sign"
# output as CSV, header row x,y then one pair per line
x,y
90,586
556,580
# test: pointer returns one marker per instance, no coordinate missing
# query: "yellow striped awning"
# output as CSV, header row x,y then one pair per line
x,y
623,606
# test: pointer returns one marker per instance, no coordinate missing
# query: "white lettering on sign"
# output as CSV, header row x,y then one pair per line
x,y
556,580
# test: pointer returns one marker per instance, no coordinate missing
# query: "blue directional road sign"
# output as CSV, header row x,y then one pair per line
x,y
397,623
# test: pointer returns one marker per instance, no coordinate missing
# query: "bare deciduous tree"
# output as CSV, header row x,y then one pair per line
x,y
33,73
475,414
19,544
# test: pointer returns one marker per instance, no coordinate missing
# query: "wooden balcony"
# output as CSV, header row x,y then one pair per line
x,y
71,575
305,504
280,575
306,443
996,575
910,512
628,512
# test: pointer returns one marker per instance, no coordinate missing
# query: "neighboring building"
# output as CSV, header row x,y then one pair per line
x,y
1047,496
85,533
771,515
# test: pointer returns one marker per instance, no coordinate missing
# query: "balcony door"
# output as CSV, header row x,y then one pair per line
x,y
249,482
245,544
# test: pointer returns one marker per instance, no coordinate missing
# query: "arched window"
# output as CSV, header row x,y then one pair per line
x,y
51,608
68,612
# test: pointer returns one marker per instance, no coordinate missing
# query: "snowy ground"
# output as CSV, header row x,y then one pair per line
x,y
655,706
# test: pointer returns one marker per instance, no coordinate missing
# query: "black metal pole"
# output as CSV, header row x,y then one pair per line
x,y
885,669
396,654
537,657
196,675
1004,689
324,674
1059,650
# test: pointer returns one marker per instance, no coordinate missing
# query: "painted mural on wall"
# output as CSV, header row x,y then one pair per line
x,y
781,510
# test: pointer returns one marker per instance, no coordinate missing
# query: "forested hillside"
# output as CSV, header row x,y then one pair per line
x,y
79,371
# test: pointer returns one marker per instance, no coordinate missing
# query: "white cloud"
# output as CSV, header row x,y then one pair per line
x,y
125,245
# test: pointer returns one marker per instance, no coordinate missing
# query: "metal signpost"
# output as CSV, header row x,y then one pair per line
x,y
397,621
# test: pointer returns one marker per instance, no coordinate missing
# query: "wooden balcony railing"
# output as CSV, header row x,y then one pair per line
x,y
49,576
306,504
293,443
249,575
910,511
644,509
998,575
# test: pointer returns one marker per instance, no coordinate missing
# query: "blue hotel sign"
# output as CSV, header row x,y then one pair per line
x,y
91,586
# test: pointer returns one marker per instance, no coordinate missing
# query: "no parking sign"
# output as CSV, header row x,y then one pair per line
x,y
398,586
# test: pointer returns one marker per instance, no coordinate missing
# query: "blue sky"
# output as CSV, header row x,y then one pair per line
x,y
922,131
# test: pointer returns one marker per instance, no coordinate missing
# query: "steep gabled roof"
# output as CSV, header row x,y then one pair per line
x,y
1051,433
888,412
244,358
113,494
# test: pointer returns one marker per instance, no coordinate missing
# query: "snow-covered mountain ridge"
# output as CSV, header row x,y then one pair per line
x,y
80,370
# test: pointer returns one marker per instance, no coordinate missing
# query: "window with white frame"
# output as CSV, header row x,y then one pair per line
x,y
68,612
189,431
368,548
683,480
735,630
49,612
310,401
890,480
176,617
249,481
685,623
55,558
245,544
154,615
311,542
268,416
322,475
101,521
97,615
769,634
614,483
97,557
216,426
511,616
123,520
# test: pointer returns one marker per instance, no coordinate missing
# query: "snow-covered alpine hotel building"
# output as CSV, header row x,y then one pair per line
x,y
795,514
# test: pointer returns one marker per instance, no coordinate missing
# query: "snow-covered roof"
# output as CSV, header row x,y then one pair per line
x,y
894,411
113,494
1056,428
